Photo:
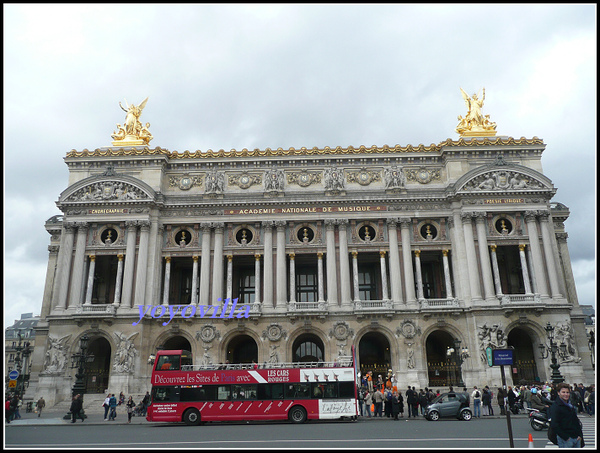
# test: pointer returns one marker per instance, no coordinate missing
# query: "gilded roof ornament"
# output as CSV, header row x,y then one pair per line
x,y
475,124
132,133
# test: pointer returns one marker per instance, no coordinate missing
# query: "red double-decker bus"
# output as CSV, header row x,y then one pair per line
x,y
182,392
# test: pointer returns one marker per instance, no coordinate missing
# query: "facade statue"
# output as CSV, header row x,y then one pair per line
x,y
132,132
475,123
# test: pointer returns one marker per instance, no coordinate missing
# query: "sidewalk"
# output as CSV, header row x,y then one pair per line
x,y
53,417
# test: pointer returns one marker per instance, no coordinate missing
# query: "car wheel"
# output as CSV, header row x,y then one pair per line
x,y
297,414
466,415
191,417
434,416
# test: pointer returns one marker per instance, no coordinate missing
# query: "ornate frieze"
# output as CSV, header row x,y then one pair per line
x,y
423,175
245,180
502,180
185,181
304,178
108,191
364,177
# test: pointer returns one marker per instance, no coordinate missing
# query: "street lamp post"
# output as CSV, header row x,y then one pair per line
x,y
459,355
22,365
551,350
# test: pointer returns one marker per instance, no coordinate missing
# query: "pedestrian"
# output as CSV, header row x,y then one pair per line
x,y
370,381
145,404
395,405
526,394
415,405
113,408
106,406
401,404
361,400
368,403
17,413
501,400
7,411
476,395
423,402
130,405
121,398
410,400
387,402
378,401
486,400
564,421
14,404
76,407
41,404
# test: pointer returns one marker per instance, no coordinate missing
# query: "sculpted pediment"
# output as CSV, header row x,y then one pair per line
x,y
105,188
503,178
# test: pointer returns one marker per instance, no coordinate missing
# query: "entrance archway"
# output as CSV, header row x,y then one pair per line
x,y
442,370
524,369
97,371
374,354
242,349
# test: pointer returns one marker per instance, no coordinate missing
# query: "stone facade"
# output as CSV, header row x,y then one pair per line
x,y
398,251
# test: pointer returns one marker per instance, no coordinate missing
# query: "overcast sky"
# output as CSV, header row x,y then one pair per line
x,y
258,76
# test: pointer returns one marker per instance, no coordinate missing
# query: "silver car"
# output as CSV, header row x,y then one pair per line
x,y
449,405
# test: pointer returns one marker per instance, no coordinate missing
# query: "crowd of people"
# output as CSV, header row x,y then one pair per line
x,y
111,403
382,397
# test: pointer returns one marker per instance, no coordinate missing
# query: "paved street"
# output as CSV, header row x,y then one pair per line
x,y
52,431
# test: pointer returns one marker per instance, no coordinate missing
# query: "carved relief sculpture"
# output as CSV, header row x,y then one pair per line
x,y
124,361
56,355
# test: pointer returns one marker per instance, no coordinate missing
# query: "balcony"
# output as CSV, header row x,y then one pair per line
x,y
439,303
307,307
373,306
508,299
96,309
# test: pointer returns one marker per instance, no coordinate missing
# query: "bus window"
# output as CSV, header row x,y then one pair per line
x,y
297,391
167,363
269,392
347,390
165,394
244,392
330,390
223,392
199,393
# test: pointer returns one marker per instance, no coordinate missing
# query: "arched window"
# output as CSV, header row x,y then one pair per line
x,y
308,348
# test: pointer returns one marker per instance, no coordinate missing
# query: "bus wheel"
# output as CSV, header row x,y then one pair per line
x,y
297,414
191,417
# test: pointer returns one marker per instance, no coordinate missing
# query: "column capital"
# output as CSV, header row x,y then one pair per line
x,y
405,222
393,222
292,255
168,259
544,216
132,224
354,253
467,216
445,252
330,224
522,247
562,237
417,253
450,222
92,257
82,226
342,222
144,225
320,255
493,247
257,256
530,216
120,257
195,258
480,216
382,253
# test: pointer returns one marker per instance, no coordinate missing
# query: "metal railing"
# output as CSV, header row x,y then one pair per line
x,y
342,361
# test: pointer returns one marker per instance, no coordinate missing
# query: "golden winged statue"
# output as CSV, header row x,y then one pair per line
x,y
475,124
132,133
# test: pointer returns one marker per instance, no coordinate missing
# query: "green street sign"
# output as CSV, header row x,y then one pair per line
x,y
488,353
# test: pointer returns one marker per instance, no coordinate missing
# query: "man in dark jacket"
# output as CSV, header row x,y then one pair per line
x,y
564,419
76,406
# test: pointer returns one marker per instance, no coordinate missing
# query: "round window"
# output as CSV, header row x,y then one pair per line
x,y
503,226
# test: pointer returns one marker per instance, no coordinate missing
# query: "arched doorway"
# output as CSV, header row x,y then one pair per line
x,y
308,348
442,369
97,369
242,349
374,354
524,369
177,342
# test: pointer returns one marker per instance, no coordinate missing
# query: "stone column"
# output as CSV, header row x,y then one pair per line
x,y
167,282
205,266
229,294
409,280
268,266
217,271
281,267
51,272
536,253
496,271
321,297
524,269
332,295
195,280
154,262
142,263
257,280
473,269
484,256
395,277
420,294
131,226
344,264
447,274
90,281
292,277
355,276
119,282
549,254
534,288
384,283
78,265
67,247
462,288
